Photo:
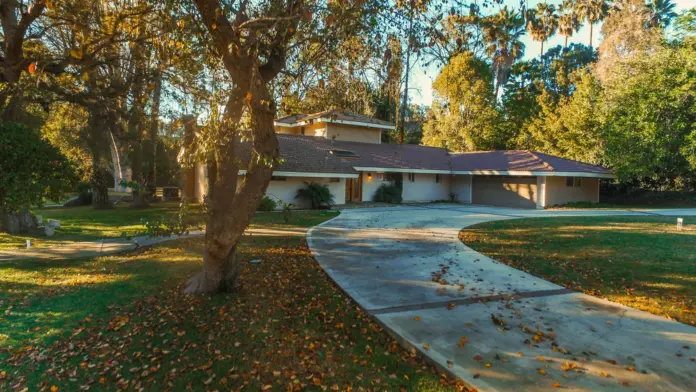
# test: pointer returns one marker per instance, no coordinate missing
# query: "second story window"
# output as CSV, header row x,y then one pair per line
x,y
437,178
411,177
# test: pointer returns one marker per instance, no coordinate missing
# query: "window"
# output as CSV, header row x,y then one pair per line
x,y
437,178
411,177
344,154
278,178
302,131
574,182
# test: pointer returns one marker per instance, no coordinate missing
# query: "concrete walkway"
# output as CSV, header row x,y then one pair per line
x,y
116,245
496,327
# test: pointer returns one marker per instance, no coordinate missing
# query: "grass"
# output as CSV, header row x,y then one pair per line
x,y
621,206
122,322
642,262
86,223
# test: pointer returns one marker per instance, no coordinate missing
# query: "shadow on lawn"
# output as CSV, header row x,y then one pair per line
x,y
286,325
639,261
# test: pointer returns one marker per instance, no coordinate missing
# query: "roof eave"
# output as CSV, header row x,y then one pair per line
x,y
329,120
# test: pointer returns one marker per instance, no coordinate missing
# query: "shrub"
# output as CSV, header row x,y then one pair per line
x,y
31,169
267,204
388,193
317,195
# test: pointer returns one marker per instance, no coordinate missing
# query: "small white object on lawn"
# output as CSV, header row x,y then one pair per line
x,y
255,261
680,223
28,244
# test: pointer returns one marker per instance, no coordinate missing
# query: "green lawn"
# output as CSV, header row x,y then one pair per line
x,y
86,223
122,322
643,262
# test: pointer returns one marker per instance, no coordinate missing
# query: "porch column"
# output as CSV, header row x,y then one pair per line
x,y
541,193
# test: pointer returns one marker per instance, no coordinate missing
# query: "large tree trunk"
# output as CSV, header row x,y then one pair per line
x,y
121,167
100,191
404,104
15,24
154,124
230,209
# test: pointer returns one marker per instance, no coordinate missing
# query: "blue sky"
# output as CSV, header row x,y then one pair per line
x,y
422,79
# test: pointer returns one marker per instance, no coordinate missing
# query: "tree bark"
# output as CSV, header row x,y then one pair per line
x,y
154,123
231,208
402,113
591,27
13,61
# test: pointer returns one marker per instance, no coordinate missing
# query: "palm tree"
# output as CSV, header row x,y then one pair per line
x,y
661,12
502,33
542,23
568,24
593,11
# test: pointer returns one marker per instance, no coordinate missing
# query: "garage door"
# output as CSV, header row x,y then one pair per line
x,y
505,191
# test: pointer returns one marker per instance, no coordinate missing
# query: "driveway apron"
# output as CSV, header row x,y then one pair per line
x,y
494,326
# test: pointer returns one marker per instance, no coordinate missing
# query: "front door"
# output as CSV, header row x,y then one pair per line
x,y
354,189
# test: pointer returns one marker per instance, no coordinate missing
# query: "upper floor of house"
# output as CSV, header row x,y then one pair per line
x,y
335,125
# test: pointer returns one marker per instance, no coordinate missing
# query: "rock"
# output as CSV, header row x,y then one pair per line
x,y
53,223
49,231
26,221
39,220
255,261
10,223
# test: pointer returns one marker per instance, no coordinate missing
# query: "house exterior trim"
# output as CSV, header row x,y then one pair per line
x,y
308,175
400,170
533,173
328,120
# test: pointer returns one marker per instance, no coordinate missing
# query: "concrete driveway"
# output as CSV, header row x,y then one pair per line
x,y
521,332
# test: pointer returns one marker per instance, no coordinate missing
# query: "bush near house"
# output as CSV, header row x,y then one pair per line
x,y
267,204
392,191
317,195
388,193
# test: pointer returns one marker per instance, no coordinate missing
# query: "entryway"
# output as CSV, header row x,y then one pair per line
x,y
354,189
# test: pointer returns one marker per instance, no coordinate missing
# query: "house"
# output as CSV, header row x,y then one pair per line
x,y
345,151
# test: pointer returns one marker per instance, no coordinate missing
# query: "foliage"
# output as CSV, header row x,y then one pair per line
x,y
317,195
589,254
185,219
650,112
464,117
84,192
31,170
388,193
267,204
136,187
287,211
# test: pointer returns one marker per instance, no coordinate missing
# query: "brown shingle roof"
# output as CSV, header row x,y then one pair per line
x,y
333,115
309,154
520,160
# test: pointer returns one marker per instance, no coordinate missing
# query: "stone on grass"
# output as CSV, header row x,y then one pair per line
x,y
53,223
49,231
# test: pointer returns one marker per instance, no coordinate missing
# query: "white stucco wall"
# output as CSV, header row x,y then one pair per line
x,y
424,188
461,187
286,190
558,193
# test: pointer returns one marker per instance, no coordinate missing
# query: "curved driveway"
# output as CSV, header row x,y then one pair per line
x,y
406,266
